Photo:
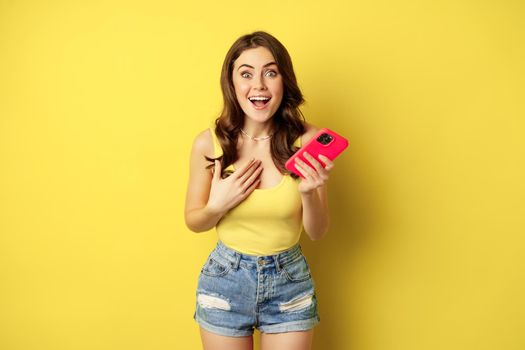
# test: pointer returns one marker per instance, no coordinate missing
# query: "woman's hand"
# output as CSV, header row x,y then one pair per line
x,y
315,176
226,193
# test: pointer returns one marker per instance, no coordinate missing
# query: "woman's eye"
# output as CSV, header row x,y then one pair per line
x,y
247,74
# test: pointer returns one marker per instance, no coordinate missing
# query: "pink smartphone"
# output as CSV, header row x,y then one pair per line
x,y
325,142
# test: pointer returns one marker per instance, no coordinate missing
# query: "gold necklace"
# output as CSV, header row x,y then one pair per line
x,y
256,138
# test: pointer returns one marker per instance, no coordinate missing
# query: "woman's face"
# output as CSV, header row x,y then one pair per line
x,y
255,73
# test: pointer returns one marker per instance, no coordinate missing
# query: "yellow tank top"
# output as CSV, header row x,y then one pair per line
x,y
268,221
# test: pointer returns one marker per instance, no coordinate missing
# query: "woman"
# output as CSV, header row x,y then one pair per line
x,y
257,276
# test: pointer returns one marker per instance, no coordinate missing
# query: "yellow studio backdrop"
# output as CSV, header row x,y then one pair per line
x,y
100,102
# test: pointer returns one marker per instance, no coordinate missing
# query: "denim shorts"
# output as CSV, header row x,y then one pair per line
x,y
238,293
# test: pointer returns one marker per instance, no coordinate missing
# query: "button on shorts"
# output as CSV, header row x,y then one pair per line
x,y
238,293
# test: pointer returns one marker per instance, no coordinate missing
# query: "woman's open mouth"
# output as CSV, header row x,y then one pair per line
x,y
259,102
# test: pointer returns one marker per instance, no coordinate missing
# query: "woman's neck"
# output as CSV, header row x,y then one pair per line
x,y
257,130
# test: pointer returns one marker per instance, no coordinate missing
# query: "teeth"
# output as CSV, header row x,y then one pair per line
x,y
258,98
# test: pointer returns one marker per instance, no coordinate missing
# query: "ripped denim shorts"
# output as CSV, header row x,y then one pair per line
x,y
238,293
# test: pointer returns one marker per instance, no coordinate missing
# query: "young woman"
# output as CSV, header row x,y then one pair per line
x,y
257,276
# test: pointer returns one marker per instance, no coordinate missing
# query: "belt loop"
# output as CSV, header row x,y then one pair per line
x,y
237,258
277,263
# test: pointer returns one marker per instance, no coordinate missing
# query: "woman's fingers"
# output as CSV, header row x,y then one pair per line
x,y
255,167
307,170
250,189
254,177
314,162
242,170
329,165
299,169
322,166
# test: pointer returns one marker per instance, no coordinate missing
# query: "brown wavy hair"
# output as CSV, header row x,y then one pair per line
x,y
288,121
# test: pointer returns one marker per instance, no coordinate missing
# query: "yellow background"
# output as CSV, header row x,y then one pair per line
x,y
99,104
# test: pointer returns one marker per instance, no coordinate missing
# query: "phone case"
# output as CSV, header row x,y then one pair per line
x,y
319,144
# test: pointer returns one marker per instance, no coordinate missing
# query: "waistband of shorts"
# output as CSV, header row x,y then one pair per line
x,y
235,257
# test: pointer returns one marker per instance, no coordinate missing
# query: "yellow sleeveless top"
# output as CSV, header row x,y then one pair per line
x,y
268,221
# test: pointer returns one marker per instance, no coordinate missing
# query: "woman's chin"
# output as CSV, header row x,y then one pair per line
x,y
259,115
258,118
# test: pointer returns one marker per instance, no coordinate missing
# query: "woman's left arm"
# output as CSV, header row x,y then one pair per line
x,y
315,212
314,193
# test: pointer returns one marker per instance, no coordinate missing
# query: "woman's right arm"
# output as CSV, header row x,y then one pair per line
x,y
198,218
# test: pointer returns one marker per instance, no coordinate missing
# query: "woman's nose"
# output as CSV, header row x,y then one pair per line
x,y
259,83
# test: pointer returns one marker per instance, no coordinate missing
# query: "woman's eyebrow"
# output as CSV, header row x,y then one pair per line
x,y
247,65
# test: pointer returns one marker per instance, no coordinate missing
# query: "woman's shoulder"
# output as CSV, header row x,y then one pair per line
x,y
203,143
311,130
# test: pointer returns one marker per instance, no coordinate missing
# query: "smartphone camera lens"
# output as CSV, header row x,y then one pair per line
x,y
324,139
